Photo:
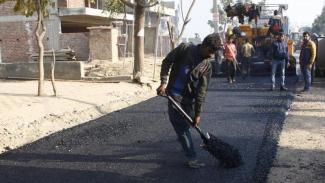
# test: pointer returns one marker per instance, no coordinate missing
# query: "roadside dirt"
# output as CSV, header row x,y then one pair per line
x,y
104,69
26,117
301,153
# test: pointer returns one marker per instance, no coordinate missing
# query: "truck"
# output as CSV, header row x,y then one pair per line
x,y
320,57
257,33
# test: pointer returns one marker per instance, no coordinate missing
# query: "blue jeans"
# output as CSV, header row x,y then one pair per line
x,y
306,73
275,64
182,128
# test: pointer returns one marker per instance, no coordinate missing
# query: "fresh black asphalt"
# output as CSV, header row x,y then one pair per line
x,y
138,144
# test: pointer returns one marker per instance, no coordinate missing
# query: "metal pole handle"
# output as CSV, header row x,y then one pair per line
x,y
189,119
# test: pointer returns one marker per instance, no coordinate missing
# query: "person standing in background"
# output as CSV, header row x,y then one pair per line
x,y
230,53
279,52
247,52
306,59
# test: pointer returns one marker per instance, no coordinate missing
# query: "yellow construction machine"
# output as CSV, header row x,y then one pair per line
x,y
258,33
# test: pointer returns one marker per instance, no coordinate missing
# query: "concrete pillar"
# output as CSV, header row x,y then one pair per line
x,y
103,43
53,28
0,56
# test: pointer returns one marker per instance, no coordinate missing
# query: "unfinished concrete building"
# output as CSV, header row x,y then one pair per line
x,y
82,26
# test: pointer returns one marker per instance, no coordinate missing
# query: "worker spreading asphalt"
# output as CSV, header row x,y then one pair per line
x,y
135,144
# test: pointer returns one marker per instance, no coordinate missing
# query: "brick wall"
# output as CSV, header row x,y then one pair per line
x,y
79,42
62,3
103,43
17,41
71,3
7,8
76,3
150,43
149,40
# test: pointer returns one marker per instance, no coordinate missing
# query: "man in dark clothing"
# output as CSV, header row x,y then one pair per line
x,y
279,52
218,57
275,23
307,59
190,72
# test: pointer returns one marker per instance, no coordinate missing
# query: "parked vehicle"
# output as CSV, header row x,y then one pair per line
x,y
320,58
296,39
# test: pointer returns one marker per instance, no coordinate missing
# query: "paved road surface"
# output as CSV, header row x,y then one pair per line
x,y
138,144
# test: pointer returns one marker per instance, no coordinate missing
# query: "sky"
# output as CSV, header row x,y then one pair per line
x,y
300,13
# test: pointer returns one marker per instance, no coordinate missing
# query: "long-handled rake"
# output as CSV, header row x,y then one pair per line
x,y
228,156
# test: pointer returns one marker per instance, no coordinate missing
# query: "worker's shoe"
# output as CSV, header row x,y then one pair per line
x,y
306,90
283,88
195,164
272,88
230,80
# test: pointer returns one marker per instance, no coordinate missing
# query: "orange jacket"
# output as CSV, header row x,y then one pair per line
x,y
230,51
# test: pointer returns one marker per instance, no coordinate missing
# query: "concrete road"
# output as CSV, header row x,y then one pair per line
x,y
138,144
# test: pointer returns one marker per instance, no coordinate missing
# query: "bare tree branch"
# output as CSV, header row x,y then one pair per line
x,y
182,13
187,19
170,31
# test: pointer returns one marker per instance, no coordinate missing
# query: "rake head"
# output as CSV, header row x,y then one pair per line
x,y
228,156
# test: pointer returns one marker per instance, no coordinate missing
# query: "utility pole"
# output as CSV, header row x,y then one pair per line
x,y
215,16
0,56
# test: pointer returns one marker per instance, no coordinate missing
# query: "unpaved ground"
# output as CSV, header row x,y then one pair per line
x,y
101,68
26,117
301,153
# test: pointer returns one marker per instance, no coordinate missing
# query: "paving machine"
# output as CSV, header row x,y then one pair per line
x,y
258,32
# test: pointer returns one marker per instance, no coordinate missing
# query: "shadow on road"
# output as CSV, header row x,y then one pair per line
x,y
138,144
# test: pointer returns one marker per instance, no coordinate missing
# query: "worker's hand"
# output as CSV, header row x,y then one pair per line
x,y
309,66
288,65
161,90
196,121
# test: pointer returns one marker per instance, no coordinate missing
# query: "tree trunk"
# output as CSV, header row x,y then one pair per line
x,y
139,42
174,43
171,35
52,73
156,43
40,32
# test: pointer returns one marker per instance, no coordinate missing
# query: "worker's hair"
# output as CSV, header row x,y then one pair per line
x,y
247,40
276,12
306,33
212,41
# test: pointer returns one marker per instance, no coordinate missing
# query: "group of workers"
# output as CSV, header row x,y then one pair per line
x,y
279,55
186,72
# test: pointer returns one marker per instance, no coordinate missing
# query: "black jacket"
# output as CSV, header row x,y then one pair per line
x,y
189,75
279,50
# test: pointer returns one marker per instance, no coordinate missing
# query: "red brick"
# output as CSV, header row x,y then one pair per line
x,y
79,42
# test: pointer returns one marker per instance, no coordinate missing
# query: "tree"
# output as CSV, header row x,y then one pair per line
x,y
223,15
226,2
139,7
174,40
319,24
27,8
222,12
114,6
